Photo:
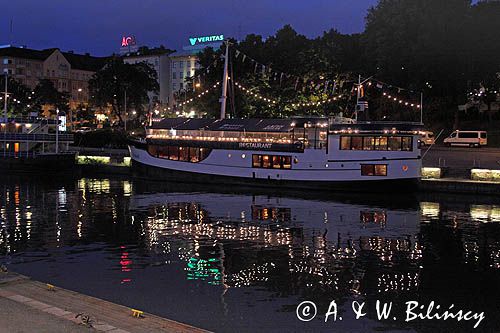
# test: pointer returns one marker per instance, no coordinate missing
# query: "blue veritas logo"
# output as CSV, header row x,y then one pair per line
x,y
206,39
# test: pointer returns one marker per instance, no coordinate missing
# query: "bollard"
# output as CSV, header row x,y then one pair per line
x,y
137,313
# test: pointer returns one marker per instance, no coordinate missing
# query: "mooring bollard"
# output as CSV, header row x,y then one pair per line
x,y
137,313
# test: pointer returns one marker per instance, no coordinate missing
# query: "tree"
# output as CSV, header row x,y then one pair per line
x,y
109,86
19,100
288,52
45,93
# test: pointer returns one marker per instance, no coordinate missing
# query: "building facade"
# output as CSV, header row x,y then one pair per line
x,y
68,71
161,64
183,65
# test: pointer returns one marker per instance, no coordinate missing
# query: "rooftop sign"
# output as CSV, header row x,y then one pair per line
x,y
128,44
207,39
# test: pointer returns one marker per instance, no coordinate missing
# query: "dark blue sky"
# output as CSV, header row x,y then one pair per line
x,y
96,26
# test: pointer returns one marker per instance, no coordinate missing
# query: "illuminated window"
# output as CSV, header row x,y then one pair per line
x,y
357,143
368,142
266,161
256,161
185,154
373,169
345,143
385,143
276,162
272,161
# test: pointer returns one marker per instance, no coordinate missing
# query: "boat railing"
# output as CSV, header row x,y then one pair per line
x,y
31,154
28,120
35,137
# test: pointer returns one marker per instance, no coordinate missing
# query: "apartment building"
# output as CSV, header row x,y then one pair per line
x,y
183,65
68,71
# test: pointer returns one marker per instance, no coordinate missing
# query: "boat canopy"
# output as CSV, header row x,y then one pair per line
x,y
233,125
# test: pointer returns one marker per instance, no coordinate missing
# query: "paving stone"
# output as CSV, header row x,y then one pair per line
x,y
56,311
104,327
38,305
20,299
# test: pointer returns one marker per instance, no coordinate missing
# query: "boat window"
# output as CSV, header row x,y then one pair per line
x,y
394,143
368,142
345,143
256,161
407,143
374,170
266,161
287,162
193,155
357,143
276,162
183,154
174,153
383,143
272,161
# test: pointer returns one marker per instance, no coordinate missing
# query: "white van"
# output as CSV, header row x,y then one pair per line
x,y
467,138
427,138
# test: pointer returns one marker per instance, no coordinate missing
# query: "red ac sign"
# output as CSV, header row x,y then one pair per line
x,y
128,41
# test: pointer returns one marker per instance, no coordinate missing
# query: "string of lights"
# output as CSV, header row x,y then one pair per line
x,y
400,101
201,94
257,96
272,101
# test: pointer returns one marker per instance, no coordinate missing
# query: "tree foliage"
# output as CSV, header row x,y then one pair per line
x,y
45,93
19,97
109,86
445,49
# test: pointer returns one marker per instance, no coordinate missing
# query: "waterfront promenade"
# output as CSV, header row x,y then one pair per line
x,y
31,306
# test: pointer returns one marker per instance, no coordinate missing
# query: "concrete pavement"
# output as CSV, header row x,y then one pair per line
x,y
31,306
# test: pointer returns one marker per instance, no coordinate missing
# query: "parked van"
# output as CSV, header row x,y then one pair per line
x,y
467,138
427,138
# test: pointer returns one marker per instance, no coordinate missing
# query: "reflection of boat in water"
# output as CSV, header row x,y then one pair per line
x,y
325,241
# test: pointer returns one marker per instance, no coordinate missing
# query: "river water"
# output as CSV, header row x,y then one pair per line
x,y
242,261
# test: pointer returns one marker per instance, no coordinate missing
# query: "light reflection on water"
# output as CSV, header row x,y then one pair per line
x,y
242,262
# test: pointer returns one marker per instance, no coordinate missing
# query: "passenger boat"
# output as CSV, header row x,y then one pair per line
x,y
290,153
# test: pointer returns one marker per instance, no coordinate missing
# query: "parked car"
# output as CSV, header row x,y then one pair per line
x,y
467,138
427,138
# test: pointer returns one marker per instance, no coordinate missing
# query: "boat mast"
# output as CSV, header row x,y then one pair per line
x,y
223,98
5,98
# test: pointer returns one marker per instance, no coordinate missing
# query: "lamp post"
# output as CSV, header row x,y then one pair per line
x,y
57,130
125,106
5,97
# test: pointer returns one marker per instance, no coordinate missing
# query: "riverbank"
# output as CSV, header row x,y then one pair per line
x,y
32,306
